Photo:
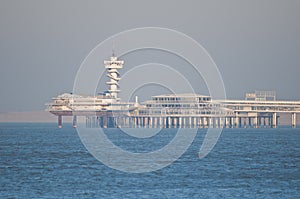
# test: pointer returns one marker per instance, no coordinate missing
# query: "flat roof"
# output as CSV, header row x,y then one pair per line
x,y
181,95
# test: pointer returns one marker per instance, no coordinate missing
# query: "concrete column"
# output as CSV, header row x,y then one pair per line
x,y
258,121
145,122
105,121
101,121
240,122
94,119
142,122
294,120
150,122
221,122
152,119
59,121
118,122
108,121
255,122
74,121
274,122
210,122
202,119
133,124
126,121
237,120
250,122
270,121
175,122
180,122
88,122
138,122
199,122
194,122
160,122
218,122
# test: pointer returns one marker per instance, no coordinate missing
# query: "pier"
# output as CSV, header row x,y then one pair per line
x,y
260,109
176,111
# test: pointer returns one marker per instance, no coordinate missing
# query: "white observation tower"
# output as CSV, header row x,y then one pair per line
x,y
112,67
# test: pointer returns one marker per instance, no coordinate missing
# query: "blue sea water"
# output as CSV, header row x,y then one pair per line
x,y
42,161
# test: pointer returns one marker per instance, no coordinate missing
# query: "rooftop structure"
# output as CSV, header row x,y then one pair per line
x,y
261,96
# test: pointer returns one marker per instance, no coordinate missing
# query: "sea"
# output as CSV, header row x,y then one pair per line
x,y
43,161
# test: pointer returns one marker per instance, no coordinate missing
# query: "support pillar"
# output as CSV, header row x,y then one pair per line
x,y
160,122
59,118
255,122
237,124
231,122
270,122
180,122
294,120
226,121
274,122
150,122
250,122
74,121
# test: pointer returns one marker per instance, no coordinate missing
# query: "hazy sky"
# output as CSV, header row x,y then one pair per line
x,y
256,44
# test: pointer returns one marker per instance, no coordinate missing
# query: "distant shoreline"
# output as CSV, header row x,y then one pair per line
x,y
39,116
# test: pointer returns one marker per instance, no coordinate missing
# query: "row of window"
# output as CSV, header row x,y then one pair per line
x,y
180,99
177,105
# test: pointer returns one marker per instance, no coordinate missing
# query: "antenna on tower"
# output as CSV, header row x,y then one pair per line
x,y
113,48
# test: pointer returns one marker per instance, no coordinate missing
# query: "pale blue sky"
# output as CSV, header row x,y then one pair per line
x,y
256,44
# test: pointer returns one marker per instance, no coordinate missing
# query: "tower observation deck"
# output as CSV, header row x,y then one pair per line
x,y
112,67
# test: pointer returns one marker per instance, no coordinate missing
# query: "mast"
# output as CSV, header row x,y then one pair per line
x,y
112,67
